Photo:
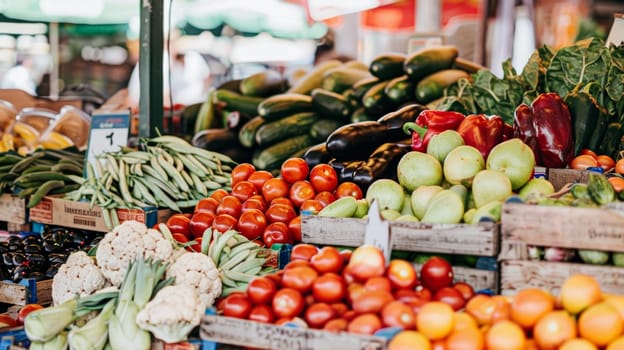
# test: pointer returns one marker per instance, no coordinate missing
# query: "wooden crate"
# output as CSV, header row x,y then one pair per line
x,y
26,292
234,331
13,209
560,177
564,227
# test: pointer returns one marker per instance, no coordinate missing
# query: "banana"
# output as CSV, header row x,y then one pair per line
x,y
29,134
8,142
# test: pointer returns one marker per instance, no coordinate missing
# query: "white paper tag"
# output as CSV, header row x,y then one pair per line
x,y
378,231
109,132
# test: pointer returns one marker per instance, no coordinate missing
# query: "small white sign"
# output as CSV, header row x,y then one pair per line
x,y
109,132
378,231
616,35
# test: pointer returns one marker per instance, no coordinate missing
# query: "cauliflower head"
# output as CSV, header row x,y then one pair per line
x,y
79,275
197,270
127,242
172,314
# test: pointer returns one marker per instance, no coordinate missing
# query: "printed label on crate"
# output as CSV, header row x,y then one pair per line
x,y
42,212
12,209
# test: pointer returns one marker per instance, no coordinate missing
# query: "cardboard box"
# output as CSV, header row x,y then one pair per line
x,y
62,212
13,209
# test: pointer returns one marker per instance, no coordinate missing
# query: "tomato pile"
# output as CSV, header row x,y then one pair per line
x,y
347,291
262,207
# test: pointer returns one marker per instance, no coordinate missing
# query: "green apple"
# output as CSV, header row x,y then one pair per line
x,y
420,199
515,159
537,186
362,208
390,214
418,169
445,207
462,164
407,217
492,210
441,144
388,193
407,204
490,185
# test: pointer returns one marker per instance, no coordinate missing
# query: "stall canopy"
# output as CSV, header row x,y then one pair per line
x,y
71,11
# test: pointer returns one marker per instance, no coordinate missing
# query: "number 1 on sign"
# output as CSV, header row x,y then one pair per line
x,y
108,133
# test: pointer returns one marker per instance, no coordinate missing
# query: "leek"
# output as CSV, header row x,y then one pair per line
x,y
59,342
43,325
94,334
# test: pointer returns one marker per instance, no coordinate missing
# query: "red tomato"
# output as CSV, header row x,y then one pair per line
x,y
180,238
378,283
208,204
178,223
230,205
371,301
349,315
416,305
336,325
366,324
402,274
397,314
312,205
318,314
294,169
224,222
254,203
261,290
200,222
436,273
276,278
258,178
287,303
348,188
283,201
195,247
589,152
276,232
340,308
262,314
25,310
243,190
405,295
424,293
325,198
323,178
346,255
450,296
218,195
299,278
178,346
354,291
252,223
274,188
329,288
294,228
465,289
297,263
367,261
327,259
301,191
241,172
280,213
236,305
303,251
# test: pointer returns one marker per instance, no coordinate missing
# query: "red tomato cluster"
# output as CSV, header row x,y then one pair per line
x,y
263,207
343,291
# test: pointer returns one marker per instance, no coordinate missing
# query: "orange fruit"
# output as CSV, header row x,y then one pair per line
x,y
530,345
529,305
617,344
481,307
553,329
601,324
468,338
435,320
578,344
583,162
579,292
464,321
617,183
617,301
438,345
409,340
502,308
605,162
505,335
619,166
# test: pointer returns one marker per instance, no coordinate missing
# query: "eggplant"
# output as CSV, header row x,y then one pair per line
x,y
7,259
20,272
216,139
52,270
33,248
394,120
18,258
382,164
317,154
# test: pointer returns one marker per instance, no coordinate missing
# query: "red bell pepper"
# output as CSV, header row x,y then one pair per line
x,y
482,132
523,129
430,123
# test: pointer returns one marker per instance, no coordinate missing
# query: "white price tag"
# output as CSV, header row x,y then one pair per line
x,y
378,231
109,132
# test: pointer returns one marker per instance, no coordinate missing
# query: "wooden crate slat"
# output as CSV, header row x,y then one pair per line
x,y
239,332
12,293
12,209
44,292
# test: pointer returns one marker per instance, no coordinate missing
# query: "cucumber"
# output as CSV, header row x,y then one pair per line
x,y
300,153
237,102
247,133
432,86
375,101
340,79
282,105
294,125
330,104
355,64
322,128
272,157
361,87
295,75
231,85
313,78
266,83
467,66
387,66
400,90
429,60
343,207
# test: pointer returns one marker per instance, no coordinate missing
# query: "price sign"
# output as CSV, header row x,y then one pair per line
x,y
616,35
378,231
109,132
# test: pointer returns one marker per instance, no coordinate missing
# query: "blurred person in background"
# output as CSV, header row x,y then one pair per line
x,y
20,76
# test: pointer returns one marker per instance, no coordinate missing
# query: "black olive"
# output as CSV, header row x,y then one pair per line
x,y
18,258
20,272
7,259
51,271
33,248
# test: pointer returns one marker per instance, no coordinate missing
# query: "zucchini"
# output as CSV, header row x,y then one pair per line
x,y
430,60
231,85
340,79
361,87
359,115
272,157
294,125
330,104
313,78
322,128
265,83
237,102
247,133
400,90
387,66
282,105
375,101
295,75
467,66
432,86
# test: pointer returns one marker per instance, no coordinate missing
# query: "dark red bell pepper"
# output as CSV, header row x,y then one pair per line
x,y
482,132
429,123
549,132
